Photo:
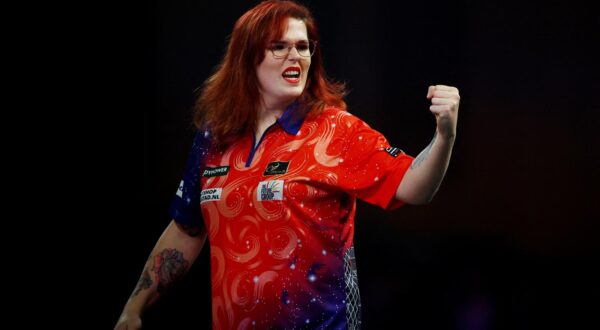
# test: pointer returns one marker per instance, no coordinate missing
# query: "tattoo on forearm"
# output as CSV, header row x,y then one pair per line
x,y
423,155
169,266
144,282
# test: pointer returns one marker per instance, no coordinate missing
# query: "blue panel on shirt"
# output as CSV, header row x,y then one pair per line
x,y
185,208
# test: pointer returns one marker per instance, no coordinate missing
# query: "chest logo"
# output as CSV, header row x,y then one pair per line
x,y
393,151
271,190
209,195
276,168
215,171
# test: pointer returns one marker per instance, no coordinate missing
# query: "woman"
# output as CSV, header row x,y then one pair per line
x,y
275,171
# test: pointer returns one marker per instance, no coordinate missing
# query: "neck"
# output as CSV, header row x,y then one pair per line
x,y
267,115
270,108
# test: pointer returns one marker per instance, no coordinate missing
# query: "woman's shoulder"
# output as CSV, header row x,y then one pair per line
x,y
340,116
336,121
332,112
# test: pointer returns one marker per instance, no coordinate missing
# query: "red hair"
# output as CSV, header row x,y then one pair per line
x,y
228,102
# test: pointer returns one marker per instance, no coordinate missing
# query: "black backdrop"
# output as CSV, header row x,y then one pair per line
x,y
510,241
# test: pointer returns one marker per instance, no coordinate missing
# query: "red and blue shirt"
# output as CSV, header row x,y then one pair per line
x,y
280,218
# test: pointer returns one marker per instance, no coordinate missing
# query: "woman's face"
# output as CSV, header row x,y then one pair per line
x,y
282,80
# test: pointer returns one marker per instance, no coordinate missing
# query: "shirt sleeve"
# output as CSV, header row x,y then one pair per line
x,y
369,167
185,208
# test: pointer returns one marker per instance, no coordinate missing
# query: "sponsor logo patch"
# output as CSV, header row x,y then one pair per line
x,y
209,195
394,151
215,171
271,190
180,189
276,168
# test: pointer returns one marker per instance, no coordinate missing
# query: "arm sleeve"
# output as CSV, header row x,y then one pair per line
x,y
369,167
185,208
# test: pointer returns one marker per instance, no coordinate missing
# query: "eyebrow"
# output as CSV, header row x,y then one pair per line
x,y
285,41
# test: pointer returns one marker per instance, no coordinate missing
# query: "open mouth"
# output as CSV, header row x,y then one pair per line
x,y
291,75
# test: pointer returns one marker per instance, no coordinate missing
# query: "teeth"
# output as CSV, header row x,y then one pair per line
x,y
291,74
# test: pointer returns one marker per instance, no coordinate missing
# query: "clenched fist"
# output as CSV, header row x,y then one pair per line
x,y
444,105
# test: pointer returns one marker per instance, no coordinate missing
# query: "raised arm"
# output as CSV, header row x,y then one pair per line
x,y
172,256
423,178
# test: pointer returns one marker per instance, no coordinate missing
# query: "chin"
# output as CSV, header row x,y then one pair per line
x,y
292,94
298,90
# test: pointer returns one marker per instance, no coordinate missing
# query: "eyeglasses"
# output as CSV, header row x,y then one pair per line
x,y
305,48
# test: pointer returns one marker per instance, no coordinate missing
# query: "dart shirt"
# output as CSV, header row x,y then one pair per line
x,y
279,213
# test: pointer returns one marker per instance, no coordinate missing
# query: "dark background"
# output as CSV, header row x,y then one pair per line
x,y
509,242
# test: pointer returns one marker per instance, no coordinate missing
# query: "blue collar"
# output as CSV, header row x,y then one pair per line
x,y
292,118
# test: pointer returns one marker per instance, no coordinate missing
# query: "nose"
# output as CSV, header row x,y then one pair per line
x,y
293,55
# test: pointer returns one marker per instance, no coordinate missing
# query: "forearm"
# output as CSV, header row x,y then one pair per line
x,y
170,259
423,178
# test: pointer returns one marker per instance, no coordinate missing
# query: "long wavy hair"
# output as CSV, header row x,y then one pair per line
x,y
229,99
